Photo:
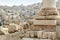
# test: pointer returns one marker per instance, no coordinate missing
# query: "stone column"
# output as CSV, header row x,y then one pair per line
x,y
46,18
49,4
48,8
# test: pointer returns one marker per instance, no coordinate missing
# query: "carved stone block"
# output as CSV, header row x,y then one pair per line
x,y
44,22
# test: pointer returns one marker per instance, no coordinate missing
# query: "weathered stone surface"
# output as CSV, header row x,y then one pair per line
x,y
58,28
45,39
27,38
52,17
5,30
43,27
34,39
49,35
39,17
12,28
48,12
27,34
58,31
59,10
14,36
1,32
58,35
49,4
44,22
25,25
32,34
39,34
58,22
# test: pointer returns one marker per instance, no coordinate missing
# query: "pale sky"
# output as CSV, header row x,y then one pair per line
x,y
18,2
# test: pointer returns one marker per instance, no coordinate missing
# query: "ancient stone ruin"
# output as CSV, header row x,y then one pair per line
x,y
45,23
44,26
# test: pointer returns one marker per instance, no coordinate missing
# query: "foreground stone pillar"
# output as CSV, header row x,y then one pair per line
x,y
46,18
48,8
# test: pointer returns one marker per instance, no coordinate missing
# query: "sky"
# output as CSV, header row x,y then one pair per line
x,y
18,2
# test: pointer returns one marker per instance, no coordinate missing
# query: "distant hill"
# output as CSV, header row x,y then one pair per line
x,y
26,12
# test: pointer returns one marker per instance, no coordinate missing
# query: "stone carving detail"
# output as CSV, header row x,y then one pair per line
x,y
48,12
